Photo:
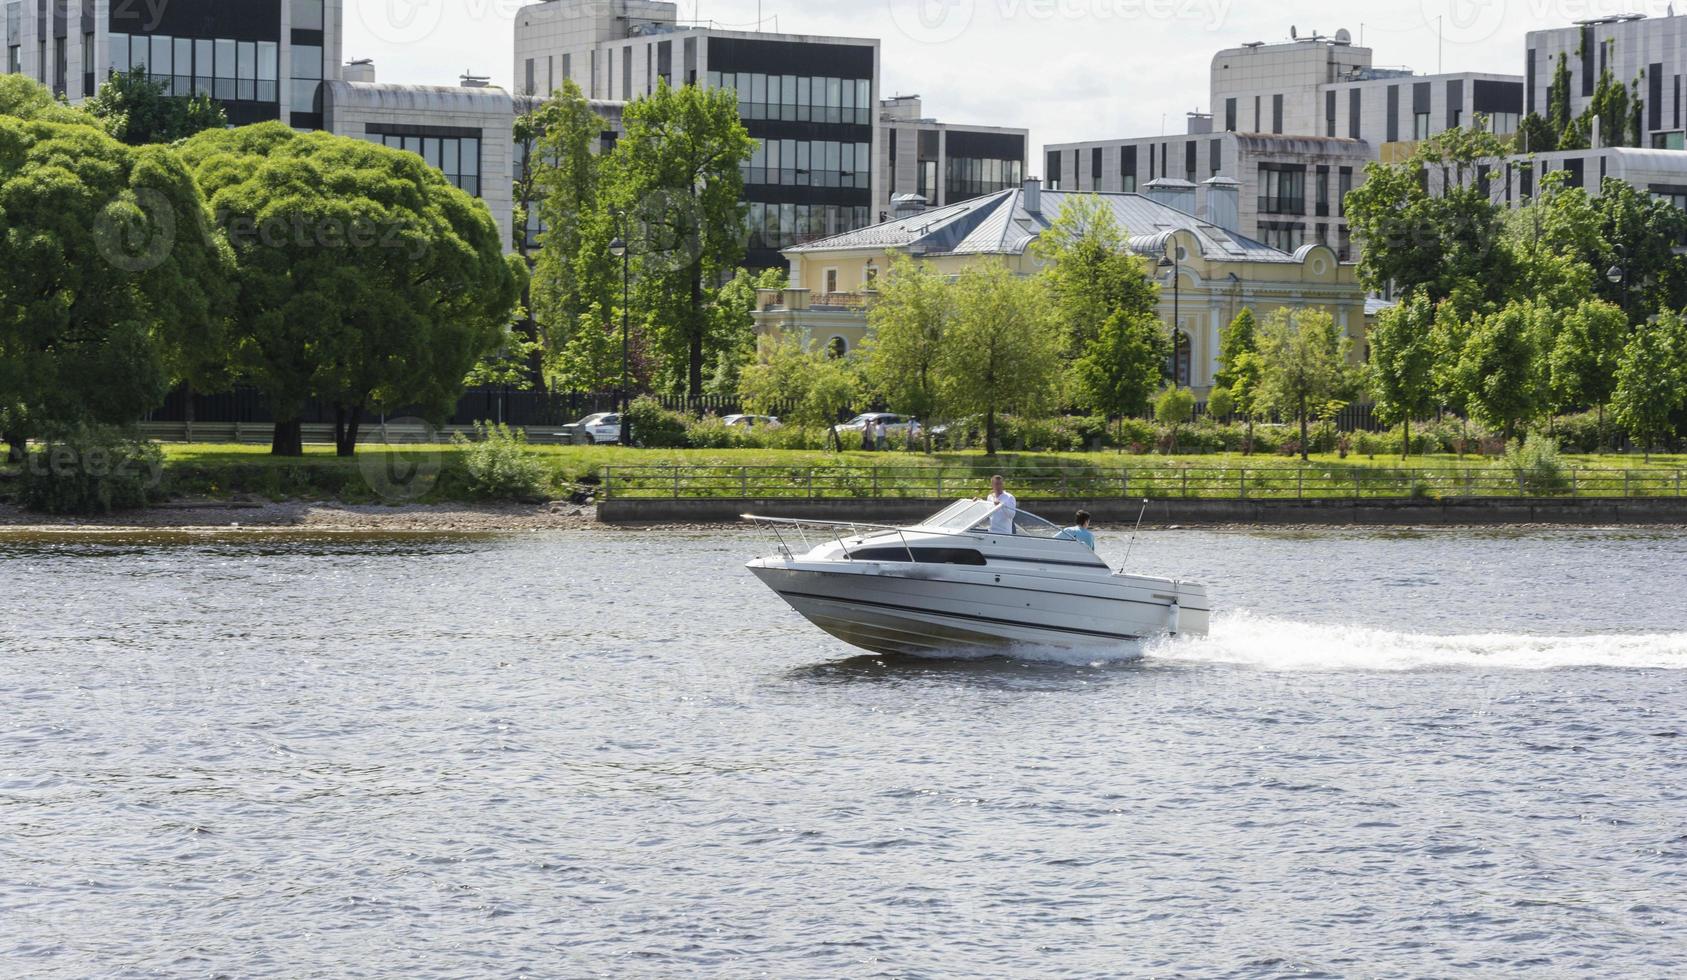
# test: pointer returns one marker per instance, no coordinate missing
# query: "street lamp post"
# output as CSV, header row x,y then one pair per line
x,y
1170,263
618,248
1617,275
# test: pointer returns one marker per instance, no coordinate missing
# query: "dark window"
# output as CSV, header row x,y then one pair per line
x,y
1393,113
1484,185
935,556
1577,170
1095,168
1053,164
1323,198
1525,181
1587,60
1529,81
1344,184
1256,128
1455,103
1127,168
1230,115
1276,113
531,86
1282,188
1216,157
1655,95
1355,100
1191,153
1330,113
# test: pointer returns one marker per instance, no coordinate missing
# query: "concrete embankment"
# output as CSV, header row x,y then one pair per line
x,y
1495,511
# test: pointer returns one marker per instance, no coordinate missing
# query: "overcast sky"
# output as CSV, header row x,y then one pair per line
x,y
1065,69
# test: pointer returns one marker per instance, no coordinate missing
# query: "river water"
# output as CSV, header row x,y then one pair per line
x,y
615,753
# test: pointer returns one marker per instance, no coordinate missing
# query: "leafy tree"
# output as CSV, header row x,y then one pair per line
x,y
1220,403
1402,365
1650,379
1434,242
1122,365
1501,372
591,361
1555,242
904,350
1304,365
1091,272
1582,364
1535,135
137,110
573,271
1172,408
1248,372
676,175
115,284
366,280
1558,98
817,387
1240,337
734,325
1638,233
1002,348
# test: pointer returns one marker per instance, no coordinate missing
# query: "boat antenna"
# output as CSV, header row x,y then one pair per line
x,y
1132,545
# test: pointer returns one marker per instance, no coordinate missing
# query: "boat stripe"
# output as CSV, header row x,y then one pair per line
x,y
956,615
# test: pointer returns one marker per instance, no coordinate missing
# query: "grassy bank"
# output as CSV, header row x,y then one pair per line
x,y
222,471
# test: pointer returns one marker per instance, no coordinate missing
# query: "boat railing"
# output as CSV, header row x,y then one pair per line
x,y
800,526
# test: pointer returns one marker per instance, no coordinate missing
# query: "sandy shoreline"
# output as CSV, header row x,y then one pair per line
x,y
303,516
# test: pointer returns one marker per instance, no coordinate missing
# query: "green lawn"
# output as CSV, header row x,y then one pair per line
x,y
221,470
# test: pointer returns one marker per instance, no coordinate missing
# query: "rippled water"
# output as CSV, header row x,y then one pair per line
x,y
606,753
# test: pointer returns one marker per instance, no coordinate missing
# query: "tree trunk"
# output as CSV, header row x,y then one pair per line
x,y
288,440
1304,448
695,380
1599,435
346,420
1248,445
990,432
1406,442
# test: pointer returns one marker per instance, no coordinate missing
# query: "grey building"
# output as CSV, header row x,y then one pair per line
x,y
809,102
943,163
1650,51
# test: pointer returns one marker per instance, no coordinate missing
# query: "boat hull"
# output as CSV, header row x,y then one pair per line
x,y
912,608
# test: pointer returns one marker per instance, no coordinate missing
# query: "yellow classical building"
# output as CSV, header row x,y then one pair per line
x,y
1207,273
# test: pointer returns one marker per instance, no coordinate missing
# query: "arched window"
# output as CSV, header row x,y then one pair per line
x,y
836,348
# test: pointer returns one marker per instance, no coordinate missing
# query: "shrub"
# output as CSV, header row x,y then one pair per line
x,y
499,463
1220,404
654,427
1538,467
710,432
91,470
1584,433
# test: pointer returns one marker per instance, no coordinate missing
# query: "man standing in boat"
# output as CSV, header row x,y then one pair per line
x,y
1001,519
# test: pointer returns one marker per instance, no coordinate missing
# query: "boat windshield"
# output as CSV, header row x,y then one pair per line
x,y
971,515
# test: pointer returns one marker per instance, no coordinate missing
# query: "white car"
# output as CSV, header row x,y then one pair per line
x,y
889,424
602,427
751,422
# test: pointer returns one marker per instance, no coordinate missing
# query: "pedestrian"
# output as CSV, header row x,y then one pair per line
x,y
1081,530
913,434
867,433
881,432
1001,519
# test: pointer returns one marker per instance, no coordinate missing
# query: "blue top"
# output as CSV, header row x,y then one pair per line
x,y
1081,534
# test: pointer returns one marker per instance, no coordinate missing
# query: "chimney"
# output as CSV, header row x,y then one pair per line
x,y
1224,203
359,70
1033,190
1173,193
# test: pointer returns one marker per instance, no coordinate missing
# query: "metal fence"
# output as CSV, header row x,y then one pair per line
x,y
1153,482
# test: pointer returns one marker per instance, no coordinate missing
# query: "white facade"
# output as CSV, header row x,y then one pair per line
x,y
1650,50
464,131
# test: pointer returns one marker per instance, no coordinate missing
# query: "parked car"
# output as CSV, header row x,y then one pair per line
x,y
893,427
961,432
751,422
602,427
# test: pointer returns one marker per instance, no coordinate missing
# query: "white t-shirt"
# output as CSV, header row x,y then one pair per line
x,y
1001,519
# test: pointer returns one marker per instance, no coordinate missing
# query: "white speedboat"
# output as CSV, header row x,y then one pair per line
x,y
948,584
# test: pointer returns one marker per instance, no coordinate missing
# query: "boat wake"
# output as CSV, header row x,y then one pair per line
x,y
1279,644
